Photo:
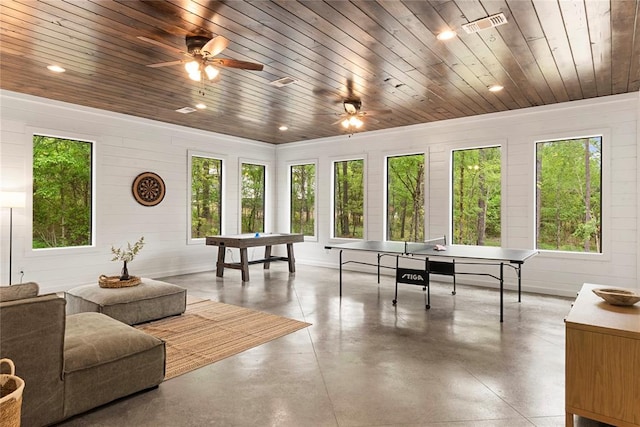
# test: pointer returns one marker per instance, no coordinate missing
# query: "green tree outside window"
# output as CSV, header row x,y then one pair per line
x,y
405,198
62,192
206,196
303,199
476,198
569,195
348,201
253,189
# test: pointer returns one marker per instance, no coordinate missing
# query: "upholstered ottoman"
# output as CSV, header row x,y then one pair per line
x,y
150,300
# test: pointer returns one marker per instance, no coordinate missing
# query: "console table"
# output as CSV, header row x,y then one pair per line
x,y
244,241
602,361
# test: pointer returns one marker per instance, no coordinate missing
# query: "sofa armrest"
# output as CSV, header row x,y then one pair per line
x,y
32,335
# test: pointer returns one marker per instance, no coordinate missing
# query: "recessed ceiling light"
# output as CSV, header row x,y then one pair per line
x,y
201,106
56,68
283,128
446,35
495,88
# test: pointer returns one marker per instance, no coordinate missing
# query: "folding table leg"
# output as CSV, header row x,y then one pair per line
x,y
395,299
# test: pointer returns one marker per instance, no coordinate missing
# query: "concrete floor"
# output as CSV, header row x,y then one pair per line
x,y
364,362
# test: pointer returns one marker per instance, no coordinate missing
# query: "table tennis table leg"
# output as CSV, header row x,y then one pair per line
x,y
395,299
501,291
379,268
428,283
519,271
340,273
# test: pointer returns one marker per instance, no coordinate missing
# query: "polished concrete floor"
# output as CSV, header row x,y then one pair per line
x,y
364,362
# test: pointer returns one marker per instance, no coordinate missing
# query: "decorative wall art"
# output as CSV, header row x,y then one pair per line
x,y
148,189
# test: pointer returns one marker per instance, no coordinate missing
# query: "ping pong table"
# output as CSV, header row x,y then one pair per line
x,y
470,255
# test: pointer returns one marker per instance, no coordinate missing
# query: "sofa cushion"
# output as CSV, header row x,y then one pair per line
x,y
16,292
106,360
92,339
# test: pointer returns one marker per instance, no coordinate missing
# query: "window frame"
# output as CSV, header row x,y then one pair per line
x,y
332,236
267,193
503,190
190,155
605,202
385,208
28,237
314,162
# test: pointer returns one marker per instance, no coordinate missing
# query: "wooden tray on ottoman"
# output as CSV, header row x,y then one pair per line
x,y
115,282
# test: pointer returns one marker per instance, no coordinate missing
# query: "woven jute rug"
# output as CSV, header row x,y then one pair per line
x,y
210,331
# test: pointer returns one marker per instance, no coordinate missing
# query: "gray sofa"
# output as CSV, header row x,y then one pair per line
x,y
74,363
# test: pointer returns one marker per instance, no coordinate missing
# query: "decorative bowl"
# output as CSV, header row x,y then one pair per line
x,y
617,296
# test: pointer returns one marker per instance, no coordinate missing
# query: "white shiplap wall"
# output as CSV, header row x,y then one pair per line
x,y
124,147
615,117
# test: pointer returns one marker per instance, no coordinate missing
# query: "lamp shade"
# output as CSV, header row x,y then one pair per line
x,y
12,199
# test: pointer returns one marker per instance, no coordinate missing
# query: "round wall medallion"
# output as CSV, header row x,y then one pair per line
x,y
148,189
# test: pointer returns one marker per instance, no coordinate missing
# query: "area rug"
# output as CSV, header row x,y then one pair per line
x,y
210,331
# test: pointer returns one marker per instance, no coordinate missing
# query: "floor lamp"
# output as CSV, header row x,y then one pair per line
x,y
11,199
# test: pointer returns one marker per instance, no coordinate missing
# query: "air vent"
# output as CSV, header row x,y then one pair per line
x,y
285,81
186,110
485,23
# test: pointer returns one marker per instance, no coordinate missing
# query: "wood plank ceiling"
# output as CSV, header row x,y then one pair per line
x,y
384,52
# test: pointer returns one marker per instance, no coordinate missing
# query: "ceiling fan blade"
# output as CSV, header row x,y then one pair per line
x,y
350,91
233,63
162,45
167,64
334,97
214,46
374,112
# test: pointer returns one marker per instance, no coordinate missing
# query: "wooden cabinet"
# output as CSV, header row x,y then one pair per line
x,y
602,361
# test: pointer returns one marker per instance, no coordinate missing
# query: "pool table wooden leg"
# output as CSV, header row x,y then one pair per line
x,y
267,254
292,259
244,264
220,263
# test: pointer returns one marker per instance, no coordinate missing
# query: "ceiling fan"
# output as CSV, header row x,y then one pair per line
x,y
202,51
353,114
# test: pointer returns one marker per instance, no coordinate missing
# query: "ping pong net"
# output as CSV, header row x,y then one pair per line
x,y
437,244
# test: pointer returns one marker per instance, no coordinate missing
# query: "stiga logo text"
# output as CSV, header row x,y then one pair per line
x,y
408,276
412,276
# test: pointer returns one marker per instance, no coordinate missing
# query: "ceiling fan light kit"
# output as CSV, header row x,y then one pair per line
x,y
352,121
203,50
196,69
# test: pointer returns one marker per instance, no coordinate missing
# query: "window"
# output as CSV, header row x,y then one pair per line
x,y
476,197
405,198
62,192
206,196
348,199
303,199
253,187
568,194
